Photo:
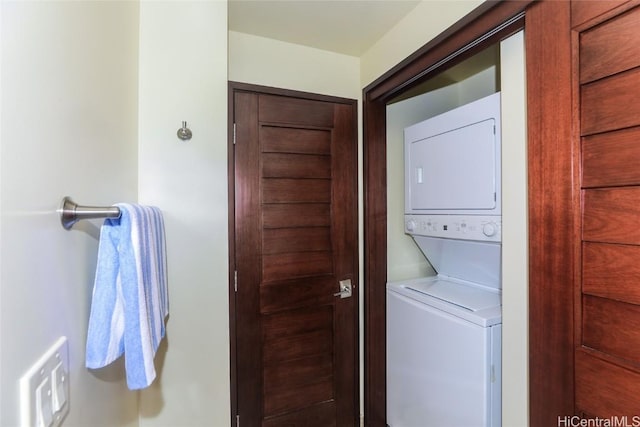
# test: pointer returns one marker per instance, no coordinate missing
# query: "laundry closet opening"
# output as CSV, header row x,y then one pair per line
x,y
470,80
497,68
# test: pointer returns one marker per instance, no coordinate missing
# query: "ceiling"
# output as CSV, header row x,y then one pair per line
x,y
349,27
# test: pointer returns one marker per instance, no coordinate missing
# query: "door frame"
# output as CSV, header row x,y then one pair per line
x,y
550,304
232,88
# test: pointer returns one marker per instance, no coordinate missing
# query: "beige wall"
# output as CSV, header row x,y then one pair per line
x,y
69,127
515,288
92,94
426,21
183,76
268,62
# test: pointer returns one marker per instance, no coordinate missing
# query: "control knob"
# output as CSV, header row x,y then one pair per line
x,y
489,229
411,225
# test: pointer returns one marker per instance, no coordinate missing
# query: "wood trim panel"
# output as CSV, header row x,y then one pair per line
x,y
283,190
268,90
597,387
610,215
375,260
233,380
319,418
308,215
602,316
276,139
585,10
611,159
611,271
551,207
610,47
595,14
345,167
286,110
247,201
611,103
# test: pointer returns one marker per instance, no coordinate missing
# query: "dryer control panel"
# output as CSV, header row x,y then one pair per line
x,y
465,227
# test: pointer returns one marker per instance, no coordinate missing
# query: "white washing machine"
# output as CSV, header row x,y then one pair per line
x,y
443,354
444,346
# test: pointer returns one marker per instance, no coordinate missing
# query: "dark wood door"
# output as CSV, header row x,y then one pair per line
x,y
607,354
584,196
295,241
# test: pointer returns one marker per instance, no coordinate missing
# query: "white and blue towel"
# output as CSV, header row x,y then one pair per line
x,y
130,298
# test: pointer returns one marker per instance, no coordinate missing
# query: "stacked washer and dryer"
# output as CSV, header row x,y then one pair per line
x,y
444,332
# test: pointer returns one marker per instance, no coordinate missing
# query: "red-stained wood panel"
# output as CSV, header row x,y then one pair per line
x,y
296,293
585,10
288,347
293,341
295,140
611,103
300,382
611,47
293,265
611,327
296,215
611,215
299,239
611,159
320,415
295,111
298,372
285,190
286,398
611,271
604,389
279,165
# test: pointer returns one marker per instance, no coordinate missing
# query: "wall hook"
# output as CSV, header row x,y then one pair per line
x,y
184,133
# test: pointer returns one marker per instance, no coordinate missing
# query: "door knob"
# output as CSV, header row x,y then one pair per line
x,y
345,289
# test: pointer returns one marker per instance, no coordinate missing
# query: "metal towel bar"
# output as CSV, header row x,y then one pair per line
x,y
71,212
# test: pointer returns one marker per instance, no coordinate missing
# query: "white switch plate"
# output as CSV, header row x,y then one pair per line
x,y
44,388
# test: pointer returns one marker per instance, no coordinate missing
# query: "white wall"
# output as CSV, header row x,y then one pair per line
x,y
69,127
183,76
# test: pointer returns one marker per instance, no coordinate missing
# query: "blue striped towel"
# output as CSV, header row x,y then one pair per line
x,y
130,298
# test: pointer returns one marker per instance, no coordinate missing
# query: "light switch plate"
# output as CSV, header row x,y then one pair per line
x,y
44,388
